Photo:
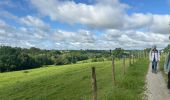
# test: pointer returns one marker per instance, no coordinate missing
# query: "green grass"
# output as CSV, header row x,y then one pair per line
x,y
161,64
73,82
84,61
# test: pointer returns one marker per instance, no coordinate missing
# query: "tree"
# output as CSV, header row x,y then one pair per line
x,y
167,49
118,52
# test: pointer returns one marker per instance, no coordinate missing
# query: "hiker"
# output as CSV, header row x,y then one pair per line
x,y
154,58
167,69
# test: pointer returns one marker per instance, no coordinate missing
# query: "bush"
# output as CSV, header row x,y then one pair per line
x,y
100,59
94,59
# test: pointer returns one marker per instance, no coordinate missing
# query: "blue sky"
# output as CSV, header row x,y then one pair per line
x,y
84,24
149,6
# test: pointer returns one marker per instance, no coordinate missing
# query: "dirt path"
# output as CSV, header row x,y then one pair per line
x,y
156,86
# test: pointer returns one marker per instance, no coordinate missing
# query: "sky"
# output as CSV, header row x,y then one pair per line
x,y
85,24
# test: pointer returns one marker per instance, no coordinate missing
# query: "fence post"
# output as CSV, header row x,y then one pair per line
x,y
133,58
94,84
113,70
123,64
129,59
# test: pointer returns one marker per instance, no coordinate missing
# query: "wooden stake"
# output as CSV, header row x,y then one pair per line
x,y
129,59
94,84
113,70
133,58
123,65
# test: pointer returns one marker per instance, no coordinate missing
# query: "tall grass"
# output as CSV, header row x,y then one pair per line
x,y
73,82
161,65
162,61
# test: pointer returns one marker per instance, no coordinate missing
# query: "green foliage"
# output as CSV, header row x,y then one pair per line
x,y
12,59
167,49
147,50
162,62
8,58
100,59
118,52
94,60
109,58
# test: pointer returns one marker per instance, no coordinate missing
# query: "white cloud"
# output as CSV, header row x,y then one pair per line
x,y
160,24
34,22
21,36
82,36
81,39
105,14
136,39
118,28
102,14
2,24
28,20
137,21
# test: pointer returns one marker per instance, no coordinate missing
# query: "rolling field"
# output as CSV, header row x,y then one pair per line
x,y
73,82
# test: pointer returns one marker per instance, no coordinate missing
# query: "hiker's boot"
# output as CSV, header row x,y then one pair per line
x,y
155,71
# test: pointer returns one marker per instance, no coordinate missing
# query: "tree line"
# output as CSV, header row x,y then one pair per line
x,y
16,58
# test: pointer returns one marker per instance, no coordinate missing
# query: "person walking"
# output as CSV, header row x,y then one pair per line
x,y
154,58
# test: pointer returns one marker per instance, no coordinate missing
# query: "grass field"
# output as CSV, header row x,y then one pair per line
x,y
73,82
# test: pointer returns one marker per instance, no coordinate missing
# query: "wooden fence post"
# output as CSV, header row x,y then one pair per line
x,y
129,59
140,54
113,70
94,84
123,65
133,58
143,54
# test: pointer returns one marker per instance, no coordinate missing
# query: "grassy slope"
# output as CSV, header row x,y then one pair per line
x,y
73,82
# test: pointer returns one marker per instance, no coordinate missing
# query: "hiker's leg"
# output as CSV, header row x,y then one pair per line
x,y
152,65
155,66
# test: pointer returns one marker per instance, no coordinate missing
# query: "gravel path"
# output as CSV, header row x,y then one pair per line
x,y
156,86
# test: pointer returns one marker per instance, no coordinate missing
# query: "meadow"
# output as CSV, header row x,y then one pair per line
x,y
73,82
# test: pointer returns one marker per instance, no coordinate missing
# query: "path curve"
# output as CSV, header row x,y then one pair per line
x,y
156,86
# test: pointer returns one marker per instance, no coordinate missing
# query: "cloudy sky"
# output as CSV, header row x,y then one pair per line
x,y
85,24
